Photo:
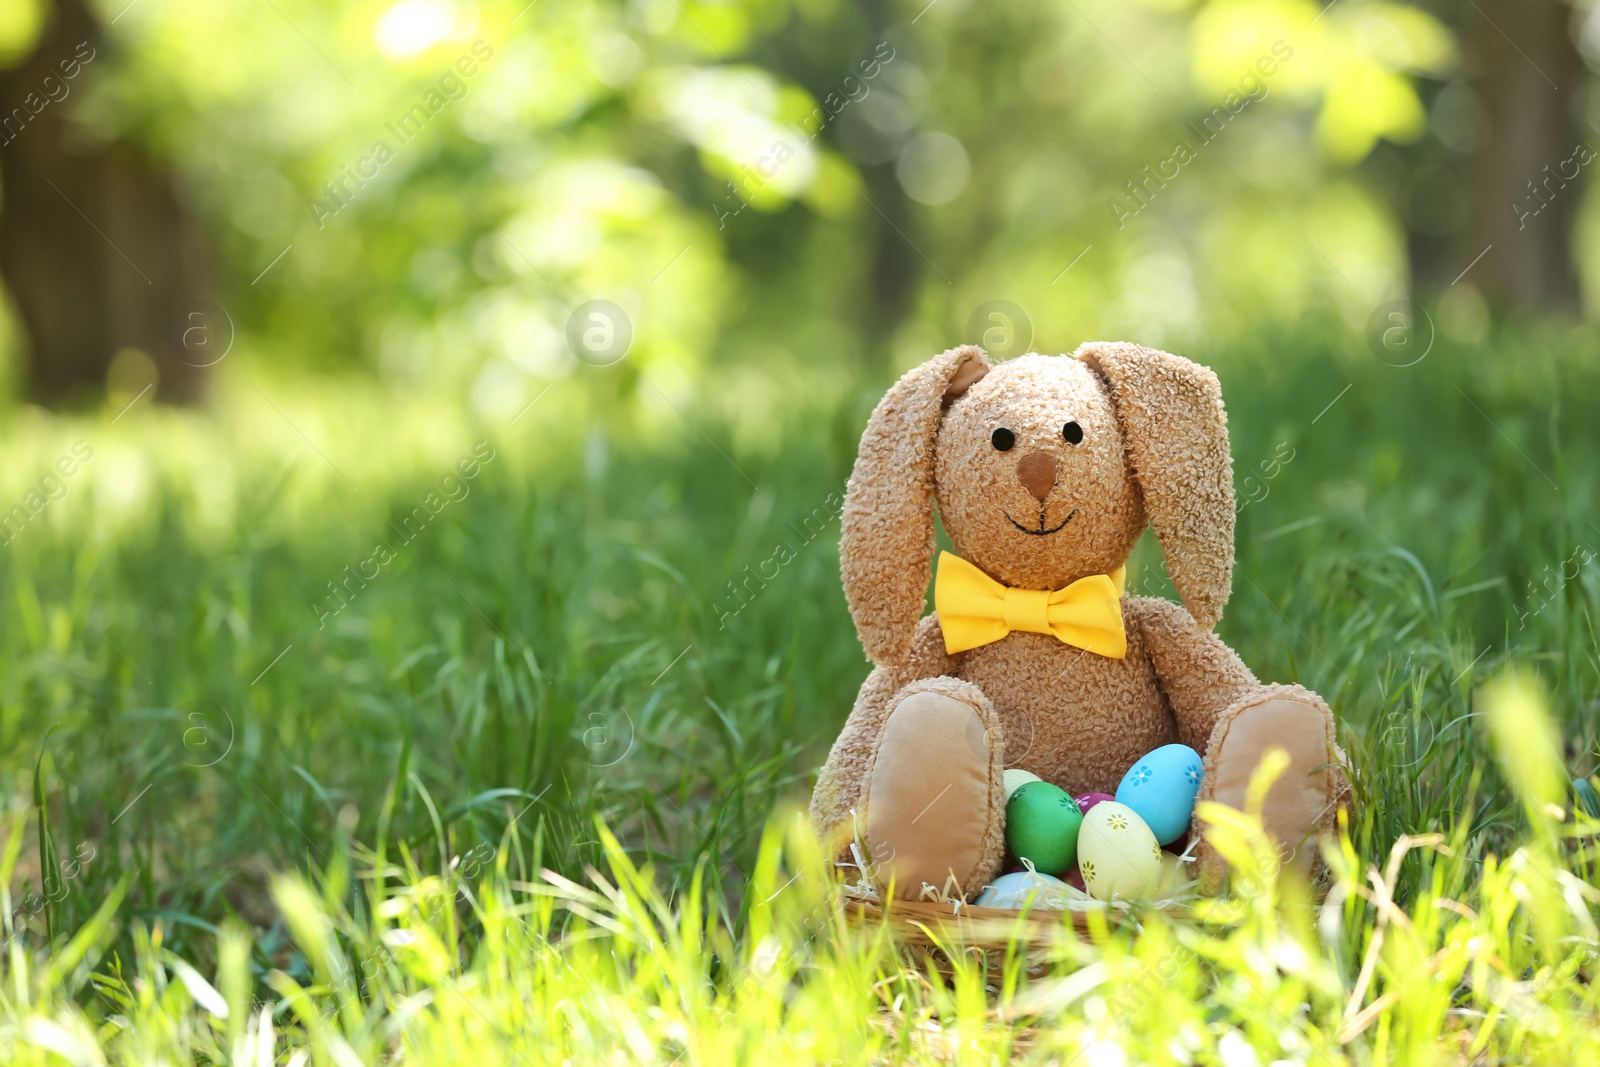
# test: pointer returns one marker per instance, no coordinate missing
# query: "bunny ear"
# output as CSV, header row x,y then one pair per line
x,y
1176,433
886,546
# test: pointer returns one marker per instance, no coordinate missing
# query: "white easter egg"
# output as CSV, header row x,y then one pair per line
x,y
1017,889
1118,854
1016,778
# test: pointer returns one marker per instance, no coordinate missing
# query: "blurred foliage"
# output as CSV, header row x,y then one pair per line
x,y
601,150
565,627
790,201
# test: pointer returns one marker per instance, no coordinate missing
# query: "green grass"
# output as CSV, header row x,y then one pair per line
x,y
352,836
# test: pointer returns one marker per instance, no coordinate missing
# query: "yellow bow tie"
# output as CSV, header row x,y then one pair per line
x,y
974,609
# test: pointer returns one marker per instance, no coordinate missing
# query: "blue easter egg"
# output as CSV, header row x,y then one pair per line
x,y
1161,788
1022,888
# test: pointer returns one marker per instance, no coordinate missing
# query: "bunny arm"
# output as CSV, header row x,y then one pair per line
x,y
1201,676
844,776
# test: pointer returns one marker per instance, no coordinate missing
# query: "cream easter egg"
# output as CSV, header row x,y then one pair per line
x,y
1118,854
1016,778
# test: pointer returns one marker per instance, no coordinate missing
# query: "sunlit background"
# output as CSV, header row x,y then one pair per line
x,y
277,274
779,195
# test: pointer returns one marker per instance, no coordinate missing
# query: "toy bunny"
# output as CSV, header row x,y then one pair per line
x,y
1046,471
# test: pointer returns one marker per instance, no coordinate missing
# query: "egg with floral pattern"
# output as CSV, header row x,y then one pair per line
x,y
1117,854
1042,826
1089,800
1161,787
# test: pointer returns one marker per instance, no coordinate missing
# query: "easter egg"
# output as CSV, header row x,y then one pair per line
x,y
1089,800
1161,787
1118,854
1016,778
1023,888
1042,826
1175,875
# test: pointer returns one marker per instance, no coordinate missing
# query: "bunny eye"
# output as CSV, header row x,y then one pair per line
x,y
1072,432
1003,439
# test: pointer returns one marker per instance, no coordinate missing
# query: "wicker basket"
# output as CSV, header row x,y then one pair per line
x,y
937,924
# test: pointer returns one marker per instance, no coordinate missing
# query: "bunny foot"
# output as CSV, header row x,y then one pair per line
x,y
1303,802
935,799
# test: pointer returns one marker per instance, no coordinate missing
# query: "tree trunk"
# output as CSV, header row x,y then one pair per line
x,y
895,266
98,248
1521,194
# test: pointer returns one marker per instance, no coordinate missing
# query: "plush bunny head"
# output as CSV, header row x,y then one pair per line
x,y
1046,469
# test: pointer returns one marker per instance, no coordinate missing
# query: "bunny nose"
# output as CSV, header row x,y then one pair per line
x,y
1037,472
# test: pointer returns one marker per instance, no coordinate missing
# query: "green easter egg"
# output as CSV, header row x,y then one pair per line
x,y
1042,825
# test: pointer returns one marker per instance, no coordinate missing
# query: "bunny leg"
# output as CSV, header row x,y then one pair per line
x,y
836,800
1303,803
837,795
935,794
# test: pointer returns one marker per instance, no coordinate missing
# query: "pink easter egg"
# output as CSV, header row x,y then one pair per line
x,y
1089,800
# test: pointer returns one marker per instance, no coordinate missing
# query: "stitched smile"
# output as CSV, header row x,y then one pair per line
x,y
1041,531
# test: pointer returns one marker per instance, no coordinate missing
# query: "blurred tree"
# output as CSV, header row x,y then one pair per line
x,y
776,188
1520,179
98,247
895,266
1501,177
